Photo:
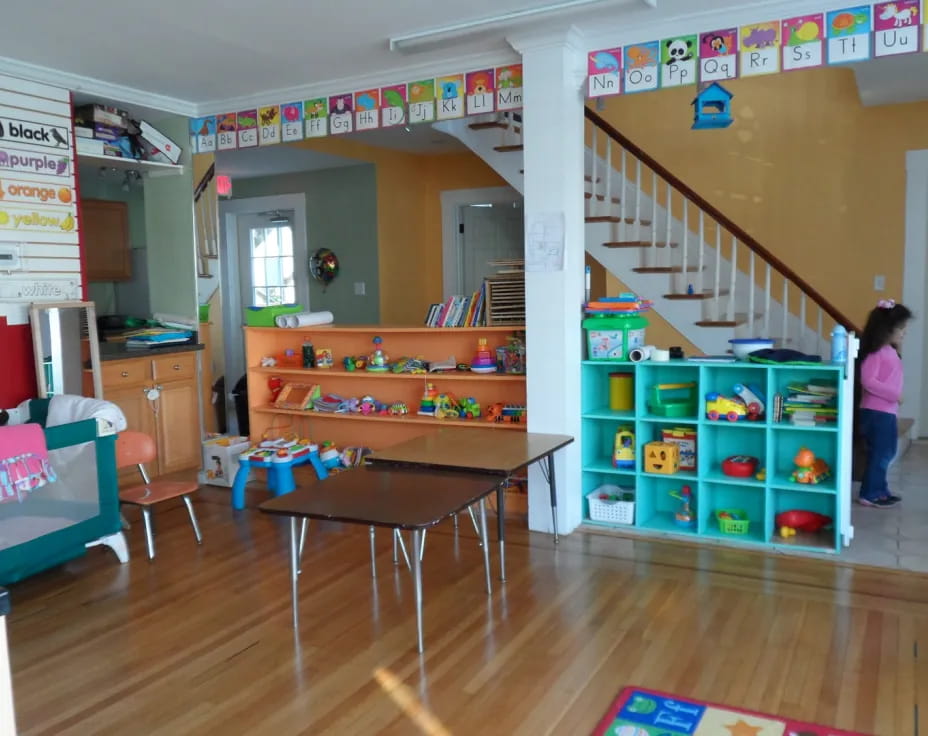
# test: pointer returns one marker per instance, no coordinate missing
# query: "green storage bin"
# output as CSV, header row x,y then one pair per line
x,y
611,338
265,316
204,313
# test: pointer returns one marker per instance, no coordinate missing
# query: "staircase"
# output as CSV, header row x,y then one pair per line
x,y
707,277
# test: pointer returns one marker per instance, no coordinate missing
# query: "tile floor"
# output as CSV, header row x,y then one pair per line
x,y
896,537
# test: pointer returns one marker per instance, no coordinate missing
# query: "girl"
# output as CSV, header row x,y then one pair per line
x,y
880,387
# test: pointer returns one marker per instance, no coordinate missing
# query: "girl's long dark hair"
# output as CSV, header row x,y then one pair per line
x,y
877,333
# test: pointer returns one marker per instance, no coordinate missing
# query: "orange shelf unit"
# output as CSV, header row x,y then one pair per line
x,y
432,344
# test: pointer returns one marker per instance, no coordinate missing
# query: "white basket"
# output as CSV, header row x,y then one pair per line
x,y
616,512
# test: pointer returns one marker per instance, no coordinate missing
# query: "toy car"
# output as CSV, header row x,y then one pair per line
x,y
470,409
718,406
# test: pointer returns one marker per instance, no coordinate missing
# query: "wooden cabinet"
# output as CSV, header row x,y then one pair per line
x,y
105,236
172,417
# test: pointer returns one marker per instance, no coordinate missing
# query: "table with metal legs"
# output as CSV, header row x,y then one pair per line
x,y
502,453
398,499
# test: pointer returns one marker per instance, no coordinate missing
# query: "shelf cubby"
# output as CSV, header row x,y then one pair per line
x,y
774,445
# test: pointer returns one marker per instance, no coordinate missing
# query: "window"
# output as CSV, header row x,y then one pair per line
x,y
272,265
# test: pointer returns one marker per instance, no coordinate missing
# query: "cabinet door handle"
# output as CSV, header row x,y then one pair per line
x,y
124,374
176,366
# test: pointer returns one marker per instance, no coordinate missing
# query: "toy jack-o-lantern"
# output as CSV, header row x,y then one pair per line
x,y
661,457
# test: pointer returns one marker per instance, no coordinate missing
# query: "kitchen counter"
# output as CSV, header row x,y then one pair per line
x,y
119,351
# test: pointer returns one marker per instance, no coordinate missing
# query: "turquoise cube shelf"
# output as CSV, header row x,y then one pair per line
x,y
774,444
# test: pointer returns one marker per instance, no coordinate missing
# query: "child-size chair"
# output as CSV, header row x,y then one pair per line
x,y
138,448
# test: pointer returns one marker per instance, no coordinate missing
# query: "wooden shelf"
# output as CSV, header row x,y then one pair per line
x,y
408,419
320,374
379,330
152,168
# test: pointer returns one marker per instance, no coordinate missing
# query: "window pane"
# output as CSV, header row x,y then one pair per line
x,y
257,236
272,240
257,272
289,295
272,269
258,299
287,269
286,240
273,295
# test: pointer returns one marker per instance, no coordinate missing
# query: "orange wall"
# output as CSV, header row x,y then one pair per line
x,y
817,178
409,235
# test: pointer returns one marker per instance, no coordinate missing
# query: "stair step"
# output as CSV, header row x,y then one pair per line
x,y
627,244
614,218
507,149
491,125
709,294
720,323
665,269
602,198
589,179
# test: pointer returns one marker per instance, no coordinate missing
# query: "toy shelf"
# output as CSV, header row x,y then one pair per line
x,y
376,432
760,496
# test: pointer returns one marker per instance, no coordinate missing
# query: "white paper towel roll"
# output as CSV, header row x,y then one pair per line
x,y
305,319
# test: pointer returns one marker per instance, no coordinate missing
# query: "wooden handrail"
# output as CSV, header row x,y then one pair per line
x,y
720,218
204,182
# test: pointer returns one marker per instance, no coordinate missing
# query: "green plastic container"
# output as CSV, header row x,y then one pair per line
x,y
204,313
265,316
612,337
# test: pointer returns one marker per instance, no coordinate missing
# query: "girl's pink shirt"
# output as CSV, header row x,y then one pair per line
x,y
881,380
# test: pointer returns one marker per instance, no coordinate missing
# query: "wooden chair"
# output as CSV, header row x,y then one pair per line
x,y
138,448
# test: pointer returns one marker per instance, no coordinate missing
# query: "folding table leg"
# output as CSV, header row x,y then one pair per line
x,y
373,555
486,547
304,528
294,571
473,519
417,578
552,485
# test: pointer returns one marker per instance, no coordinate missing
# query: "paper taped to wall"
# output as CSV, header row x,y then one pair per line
x,y
544,242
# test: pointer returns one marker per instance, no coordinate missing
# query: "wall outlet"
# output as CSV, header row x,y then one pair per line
x,y
879,282
359,288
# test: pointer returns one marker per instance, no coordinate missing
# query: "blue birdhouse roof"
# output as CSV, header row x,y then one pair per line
x,y
713,93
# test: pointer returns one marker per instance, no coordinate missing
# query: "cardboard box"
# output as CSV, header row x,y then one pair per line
x,y
686,439
220,459
111,117
160,144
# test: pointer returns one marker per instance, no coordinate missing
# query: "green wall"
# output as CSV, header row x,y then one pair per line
x,y
169,231
341,214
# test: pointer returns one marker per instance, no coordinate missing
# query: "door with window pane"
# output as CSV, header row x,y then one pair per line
x,y
268,263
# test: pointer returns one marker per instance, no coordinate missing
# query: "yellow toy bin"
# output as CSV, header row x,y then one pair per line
x,y
622,391
662,458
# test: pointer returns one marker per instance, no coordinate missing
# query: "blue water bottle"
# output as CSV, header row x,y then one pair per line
x,y
839,344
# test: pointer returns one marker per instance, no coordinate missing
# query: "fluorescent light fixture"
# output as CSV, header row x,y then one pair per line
x,y
418,38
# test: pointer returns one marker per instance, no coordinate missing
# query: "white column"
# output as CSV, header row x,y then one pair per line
x,y
553,74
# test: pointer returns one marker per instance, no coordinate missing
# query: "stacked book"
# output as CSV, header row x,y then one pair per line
x,y
156,337
459,311
812,403
331,404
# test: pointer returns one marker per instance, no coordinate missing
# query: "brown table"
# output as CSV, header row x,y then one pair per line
x,y
410,498
484,451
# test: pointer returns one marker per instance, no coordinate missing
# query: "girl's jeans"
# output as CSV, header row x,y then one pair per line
x,y
879,429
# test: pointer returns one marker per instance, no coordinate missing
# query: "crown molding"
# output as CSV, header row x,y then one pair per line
x,y
570,37
399,75
96,87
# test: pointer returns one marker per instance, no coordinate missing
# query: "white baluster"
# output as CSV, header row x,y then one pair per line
x,y
623,196
686,240
701,257
818,330
731,279
802,320
668,233
753,311
718,270
608,199
785,310
653,211
593,205
638,199
767,304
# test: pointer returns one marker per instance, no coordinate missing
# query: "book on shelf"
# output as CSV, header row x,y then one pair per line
x,y
457,311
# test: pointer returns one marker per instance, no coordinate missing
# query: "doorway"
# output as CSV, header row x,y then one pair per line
x,y
264,255
914,289
480,225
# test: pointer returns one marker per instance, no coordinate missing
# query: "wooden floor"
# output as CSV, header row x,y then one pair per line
x,y
200,642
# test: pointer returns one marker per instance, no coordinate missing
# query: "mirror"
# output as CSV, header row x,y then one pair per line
x,y
64,338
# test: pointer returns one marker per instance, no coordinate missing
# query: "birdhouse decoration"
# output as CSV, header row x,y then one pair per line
x,y
712,108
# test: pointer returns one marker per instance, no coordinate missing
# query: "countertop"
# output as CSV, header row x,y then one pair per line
x,y
119,351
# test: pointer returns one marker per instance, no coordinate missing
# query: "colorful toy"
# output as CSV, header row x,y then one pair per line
x,y
681,401
268,361
798,520
279,457
377,363
447,407
809,469
623,454
483,362
399,409
712,108
409,365
506,413
367,405
275,384
427,403
733,521
348,363
733,409
740,466
662,458
753,398
684,515
352,457
686,439
324,358
469,408
330,456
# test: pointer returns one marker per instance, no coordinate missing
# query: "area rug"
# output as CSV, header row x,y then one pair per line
x,y
640,712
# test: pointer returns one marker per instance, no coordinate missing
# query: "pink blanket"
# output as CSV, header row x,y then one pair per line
x,y
23,461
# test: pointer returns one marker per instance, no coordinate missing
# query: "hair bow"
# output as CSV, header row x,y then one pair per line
x,y
886,303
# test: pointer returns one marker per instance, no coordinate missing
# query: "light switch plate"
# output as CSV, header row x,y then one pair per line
x,y
359,288
879,282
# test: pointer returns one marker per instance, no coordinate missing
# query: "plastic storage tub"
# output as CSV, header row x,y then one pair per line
x,y
265,316
611,338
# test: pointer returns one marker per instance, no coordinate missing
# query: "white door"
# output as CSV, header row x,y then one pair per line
x,y
269,274
489,232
